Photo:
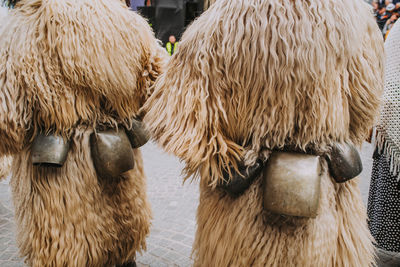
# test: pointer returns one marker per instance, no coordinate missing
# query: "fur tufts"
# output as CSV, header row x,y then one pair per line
x,y
5,166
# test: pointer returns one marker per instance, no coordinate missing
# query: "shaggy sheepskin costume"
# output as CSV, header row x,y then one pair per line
x,y
5,161
68,67
252,76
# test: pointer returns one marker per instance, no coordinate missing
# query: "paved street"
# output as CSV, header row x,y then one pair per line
x,y
174,209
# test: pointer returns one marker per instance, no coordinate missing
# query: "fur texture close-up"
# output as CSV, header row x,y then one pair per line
x,y
70,67
5,166
5,161
255,76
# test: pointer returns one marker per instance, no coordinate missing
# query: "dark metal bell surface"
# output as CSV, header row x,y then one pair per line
x,y
111,153
138,136
292,184
344,162
50,150
240,181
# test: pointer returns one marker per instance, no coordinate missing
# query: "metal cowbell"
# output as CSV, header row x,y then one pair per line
x,y
344,162
50,150
138,135
292,184
111,153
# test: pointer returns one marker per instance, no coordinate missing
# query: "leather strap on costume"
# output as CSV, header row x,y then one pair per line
x,y
238,182
344,164
112,149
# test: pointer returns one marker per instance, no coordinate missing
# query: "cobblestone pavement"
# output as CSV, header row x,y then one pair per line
x,y
174,209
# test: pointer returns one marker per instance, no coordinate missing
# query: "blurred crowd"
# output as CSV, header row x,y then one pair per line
x,y
386,12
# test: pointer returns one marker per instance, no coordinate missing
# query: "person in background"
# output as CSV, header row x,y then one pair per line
x,y
172,45
379,7
396,3
390,8
134,4
390,23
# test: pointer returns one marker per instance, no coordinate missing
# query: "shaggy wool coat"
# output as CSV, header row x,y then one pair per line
x,y
252,76
5,161
70,66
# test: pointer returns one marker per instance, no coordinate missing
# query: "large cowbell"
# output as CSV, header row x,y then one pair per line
x,y
292,184
111,153
49,150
